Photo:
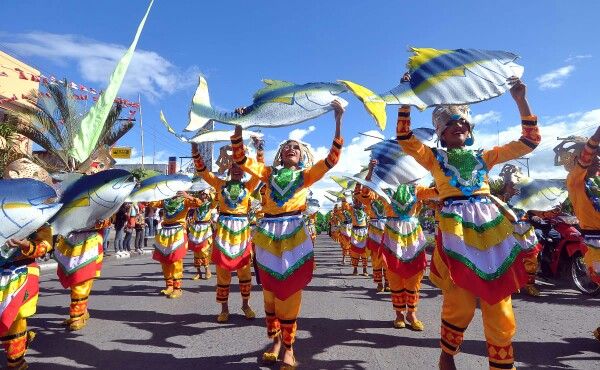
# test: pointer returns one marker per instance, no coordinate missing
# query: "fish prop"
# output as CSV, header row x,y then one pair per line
x,y
373,184
312,206
198,184
26,205
539,194
160,187
214,136
395,167
278,103
331,199
437,76
344,182
90,199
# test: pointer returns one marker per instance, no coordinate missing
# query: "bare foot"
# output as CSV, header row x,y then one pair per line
x,y
288,357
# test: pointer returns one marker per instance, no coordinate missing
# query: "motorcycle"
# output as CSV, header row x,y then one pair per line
x,y
563,250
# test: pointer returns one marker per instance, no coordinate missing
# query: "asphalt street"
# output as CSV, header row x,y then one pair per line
x,y
344,324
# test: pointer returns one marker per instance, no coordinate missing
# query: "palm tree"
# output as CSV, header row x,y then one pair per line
x,y
52,122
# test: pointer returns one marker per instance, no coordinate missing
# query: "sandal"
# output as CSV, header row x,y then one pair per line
x,y
223,317
269,358
399,324
249,313
416,325
285,366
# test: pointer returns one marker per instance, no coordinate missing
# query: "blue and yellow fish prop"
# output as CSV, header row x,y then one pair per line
x,y
160,187
442,76
26,205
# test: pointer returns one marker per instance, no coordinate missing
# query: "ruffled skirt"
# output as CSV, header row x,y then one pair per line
x,y
403,246
170,244
199,234
79,257
19,286
232,248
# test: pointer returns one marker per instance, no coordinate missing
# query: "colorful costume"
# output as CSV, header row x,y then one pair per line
x,y
345,228
584,195
171,241
334,224
284,250
359,234
79,257
200,235
19,284
376,213
477,254
232,248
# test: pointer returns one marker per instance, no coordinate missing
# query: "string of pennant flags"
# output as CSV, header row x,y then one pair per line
x,y
87,93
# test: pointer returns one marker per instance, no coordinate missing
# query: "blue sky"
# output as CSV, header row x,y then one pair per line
x,y
237,43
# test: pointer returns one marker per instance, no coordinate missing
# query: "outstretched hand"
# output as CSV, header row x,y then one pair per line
x,y
15,243
195,149
518,89
338,109
238,130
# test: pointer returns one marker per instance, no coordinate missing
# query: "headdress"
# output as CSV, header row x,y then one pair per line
x,y
567,151
443,114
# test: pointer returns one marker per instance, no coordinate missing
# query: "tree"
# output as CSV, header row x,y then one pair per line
x,y
7,152
52,122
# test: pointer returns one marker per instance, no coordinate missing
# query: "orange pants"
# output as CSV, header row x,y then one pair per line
x,y
499,325
530,260
378,267
405,292
80,294
281,316
173,274
15,342
202,257
224,280
354,257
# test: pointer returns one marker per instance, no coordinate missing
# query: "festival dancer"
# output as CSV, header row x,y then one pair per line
x,y
359,234
200,235
345,234
171,241
377,220
403,248
334,224
583,184
476,256
284,251
232,249
18,297
77,271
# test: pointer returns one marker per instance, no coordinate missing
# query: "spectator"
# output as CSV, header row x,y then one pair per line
x,y
120,224
140,224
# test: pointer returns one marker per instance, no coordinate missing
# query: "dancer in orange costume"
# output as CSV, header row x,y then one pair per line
x,y
200,235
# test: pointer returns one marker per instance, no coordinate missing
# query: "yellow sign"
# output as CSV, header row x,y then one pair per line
x,y
120,152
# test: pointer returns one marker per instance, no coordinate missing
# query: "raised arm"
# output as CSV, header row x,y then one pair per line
x,y
426,193
409,143
256,168
316,172
201,169
530,135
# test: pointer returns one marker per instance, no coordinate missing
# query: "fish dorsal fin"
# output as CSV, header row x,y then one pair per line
x,y
271,85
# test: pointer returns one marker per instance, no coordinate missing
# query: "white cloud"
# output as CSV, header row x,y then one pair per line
x,y
575,58
555,79
299,133
483,118
149,74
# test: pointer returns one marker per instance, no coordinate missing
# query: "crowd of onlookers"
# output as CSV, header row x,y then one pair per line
x,y
134,224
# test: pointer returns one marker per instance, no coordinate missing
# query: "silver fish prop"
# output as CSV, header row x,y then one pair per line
x,y
437,76
91,199
312,206
26,205
278,103
214,136
539,194
198,184
160,187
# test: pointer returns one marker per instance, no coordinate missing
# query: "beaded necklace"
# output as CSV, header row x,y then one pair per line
x,y
592,190
233,193
403,199
202,211
173,206
359,214
284,183
465,168
378,209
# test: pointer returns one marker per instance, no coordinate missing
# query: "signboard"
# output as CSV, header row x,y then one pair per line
x,y
120,152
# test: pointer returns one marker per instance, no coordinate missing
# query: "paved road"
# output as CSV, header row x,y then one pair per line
x,y
344,324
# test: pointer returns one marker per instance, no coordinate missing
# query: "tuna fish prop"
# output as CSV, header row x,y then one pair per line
x,y
460,76
394,167
538,194
160,187
312,206
278,103
90,199
198,184
26,205
214,136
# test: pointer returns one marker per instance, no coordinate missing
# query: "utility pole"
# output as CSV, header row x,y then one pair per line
x,y
141,128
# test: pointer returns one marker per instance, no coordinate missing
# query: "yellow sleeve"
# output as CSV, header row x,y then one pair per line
x,y
252,183
256,168
193,203
529,140
319,169
410,144
40,243
576,178
424,193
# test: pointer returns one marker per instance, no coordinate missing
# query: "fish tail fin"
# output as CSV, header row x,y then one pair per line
x,y
374,104
163,120
201,111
